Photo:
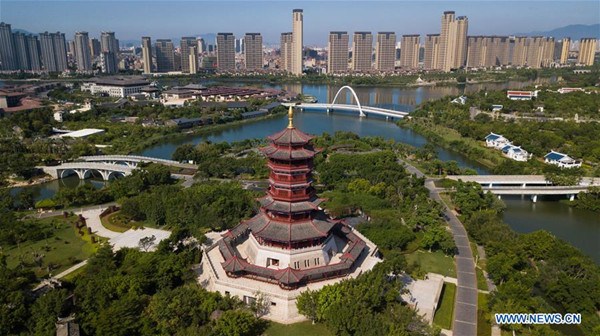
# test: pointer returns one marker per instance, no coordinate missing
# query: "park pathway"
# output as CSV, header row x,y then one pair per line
x,y
465,304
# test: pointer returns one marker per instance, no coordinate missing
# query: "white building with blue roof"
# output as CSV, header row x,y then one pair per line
x,y
496,140
516,153
561,160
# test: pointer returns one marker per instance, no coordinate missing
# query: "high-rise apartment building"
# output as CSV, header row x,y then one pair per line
x,y
253,51
193,59
185,45
535,51
447,40
21,51
587,51
95,48
488,51
108,62
565,46
362,51
460,56
109,46
53,48
453,41
385,51
409,52
165,55
225,51
286,51
432,52
147,54
548,51
337,60
297,41
83,55
519,54
33,50
201,46
475,51
8,57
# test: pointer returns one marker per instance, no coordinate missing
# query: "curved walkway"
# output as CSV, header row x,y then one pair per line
x,y
465,303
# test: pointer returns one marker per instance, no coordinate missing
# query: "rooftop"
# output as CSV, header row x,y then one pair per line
x,y
82,133
121,81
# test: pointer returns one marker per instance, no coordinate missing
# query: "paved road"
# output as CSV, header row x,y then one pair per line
x,y
465,304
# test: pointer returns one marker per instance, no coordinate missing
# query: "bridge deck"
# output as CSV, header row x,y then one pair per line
x,y
136,158
549,190
516,179
365,109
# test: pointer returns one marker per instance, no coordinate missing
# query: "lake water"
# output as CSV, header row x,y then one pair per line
x,y
580,228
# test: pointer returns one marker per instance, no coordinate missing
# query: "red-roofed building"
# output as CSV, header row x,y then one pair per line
x,y
521,95
291,242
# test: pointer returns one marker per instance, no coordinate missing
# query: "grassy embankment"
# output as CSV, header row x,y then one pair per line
x,y
450,139
56,253
297,329
444,313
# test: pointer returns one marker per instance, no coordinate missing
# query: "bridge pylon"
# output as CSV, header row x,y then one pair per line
x,y
346,87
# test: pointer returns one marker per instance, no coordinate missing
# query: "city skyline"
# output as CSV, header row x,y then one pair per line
x,y
401,17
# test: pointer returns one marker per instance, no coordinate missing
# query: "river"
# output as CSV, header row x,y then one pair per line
x,y
580,228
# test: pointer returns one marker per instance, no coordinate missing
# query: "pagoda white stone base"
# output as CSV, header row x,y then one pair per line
x,y
283,309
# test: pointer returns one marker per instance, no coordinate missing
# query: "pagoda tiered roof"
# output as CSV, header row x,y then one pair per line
x,y
290,219
267,202
290,277
279,153
290,136
272,229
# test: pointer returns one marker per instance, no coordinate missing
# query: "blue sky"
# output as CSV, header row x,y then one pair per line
x,y
159,19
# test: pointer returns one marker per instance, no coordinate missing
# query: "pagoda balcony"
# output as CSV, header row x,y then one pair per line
x,y
277,178
290,167
286,195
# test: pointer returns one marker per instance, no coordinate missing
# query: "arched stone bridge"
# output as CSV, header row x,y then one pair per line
x,y
362,110
86,169
134,160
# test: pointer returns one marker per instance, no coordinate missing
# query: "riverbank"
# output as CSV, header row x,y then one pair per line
x,y
199,131
31,182
450,139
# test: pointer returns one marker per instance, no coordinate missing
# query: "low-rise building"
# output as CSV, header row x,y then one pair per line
x,y
569,90
496,140
182,123
116,86
82,133
561,160
521,95
460,100
516,153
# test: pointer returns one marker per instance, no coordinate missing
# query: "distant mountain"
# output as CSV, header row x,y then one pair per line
x,y
575,32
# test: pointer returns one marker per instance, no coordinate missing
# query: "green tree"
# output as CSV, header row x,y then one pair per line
x,y
238,323
46,310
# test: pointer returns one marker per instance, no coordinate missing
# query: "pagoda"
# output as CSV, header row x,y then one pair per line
x,y
291,242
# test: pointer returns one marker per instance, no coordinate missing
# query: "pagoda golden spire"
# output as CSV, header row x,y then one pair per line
x,y
291,117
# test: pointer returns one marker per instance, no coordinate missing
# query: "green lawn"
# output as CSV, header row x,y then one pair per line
x,y
445,310
484,326
434,262
481,283
297,329
60,251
